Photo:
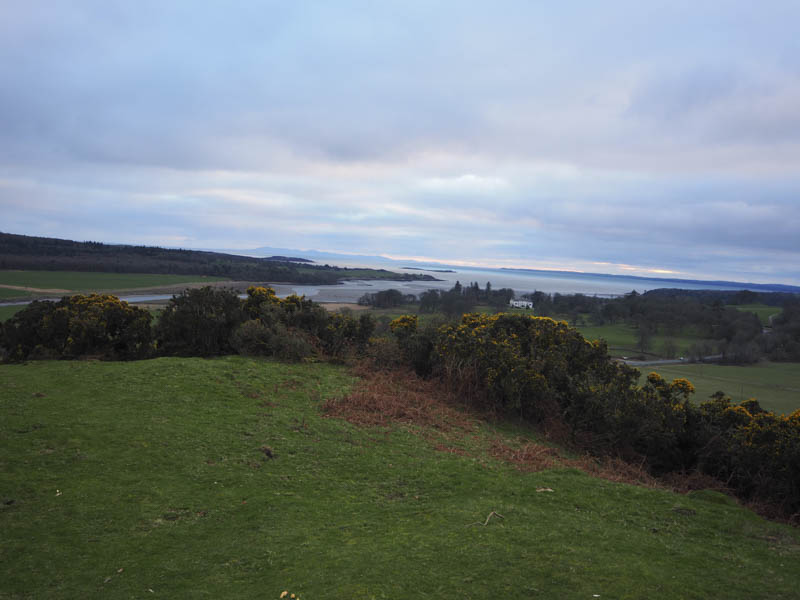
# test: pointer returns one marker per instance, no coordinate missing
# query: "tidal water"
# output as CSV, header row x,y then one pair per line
x,y
520,281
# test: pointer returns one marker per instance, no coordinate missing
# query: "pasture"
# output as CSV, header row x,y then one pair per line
x,y
6,312
181,478
763,311
621,339
775,385
54,283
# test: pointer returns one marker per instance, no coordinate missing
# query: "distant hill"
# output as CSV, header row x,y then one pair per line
x,y
738,285
52,254
288,259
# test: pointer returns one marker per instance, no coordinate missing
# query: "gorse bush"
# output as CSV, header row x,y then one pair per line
x,y
532,366
546,372
199,322
196,322
97,324
255,338
756,451
295,328
416,344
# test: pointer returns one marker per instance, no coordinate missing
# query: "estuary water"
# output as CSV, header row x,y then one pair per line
x,y
520,281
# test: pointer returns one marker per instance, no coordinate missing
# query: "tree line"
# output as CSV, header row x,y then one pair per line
x,y
737,335
49,254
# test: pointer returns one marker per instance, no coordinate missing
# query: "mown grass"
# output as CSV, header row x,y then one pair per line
x,y
154,479
775,385
88,281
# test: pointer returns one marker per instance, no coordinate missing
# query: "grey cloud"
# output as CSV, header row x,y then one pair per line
x,y
567,134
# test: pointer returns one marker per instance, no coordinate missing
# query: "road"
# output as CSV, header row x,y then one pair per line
x,y
669,361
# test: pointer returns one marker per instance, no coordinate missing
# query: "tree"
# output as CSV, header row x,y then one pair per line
x,y
669,349
644,336
429,301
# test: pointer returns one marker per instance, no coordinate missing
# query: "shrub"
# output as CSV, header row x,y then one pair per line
x,y
252,338
258,299
297,328
416,345
199,322
533,366
545,371
384,353
98,324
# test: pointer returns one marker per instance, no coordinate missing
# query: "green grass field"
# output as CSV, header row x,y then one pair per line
x,y
621,339
150,479
7,294
6,312
775,385
77,281
762,310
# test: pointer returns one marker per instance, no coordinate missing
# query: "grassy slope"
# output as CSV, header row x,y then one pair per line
x,y
80,281
162,486
775,385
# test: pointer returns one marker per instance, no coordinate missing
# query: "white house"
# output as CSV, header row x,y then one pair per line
x,y
521,304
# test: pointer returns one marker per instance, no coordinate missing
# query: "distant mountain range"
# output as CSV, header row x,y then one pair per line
x,y
756,287
319,256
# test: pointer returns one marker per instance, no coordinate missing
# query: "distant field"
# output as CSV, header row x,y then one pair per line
x,y
775,385
762,310
353,273
621,339
6,312
7,294
75,281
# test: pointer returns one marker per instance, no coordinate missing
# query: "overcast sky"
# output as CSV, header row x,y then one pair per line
x,y
622,137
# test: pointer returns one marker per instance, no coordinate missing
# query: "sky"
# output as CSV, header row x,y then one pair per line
x,y
644,138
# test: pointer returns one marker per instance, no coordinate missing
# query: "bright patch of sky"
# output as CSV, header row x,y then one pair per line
x,y
622,137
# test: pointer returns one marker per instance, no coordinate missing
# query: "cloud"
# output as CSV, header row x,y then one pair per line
x,y
662,135
464,184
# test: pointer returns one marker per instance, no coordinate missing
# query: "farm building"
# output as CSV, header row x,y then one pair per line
x,y
521,304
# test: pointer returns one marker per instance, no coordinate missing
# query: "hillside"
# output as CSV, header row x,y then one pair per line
x,y
49,254
181,478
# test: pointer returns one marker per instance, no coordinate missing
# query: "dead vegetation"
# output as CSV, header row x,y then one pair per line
x,y
399,396
386,397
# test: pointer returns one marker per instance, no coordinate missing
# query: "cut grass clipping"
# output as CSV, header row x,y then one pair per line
x,y
184,478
